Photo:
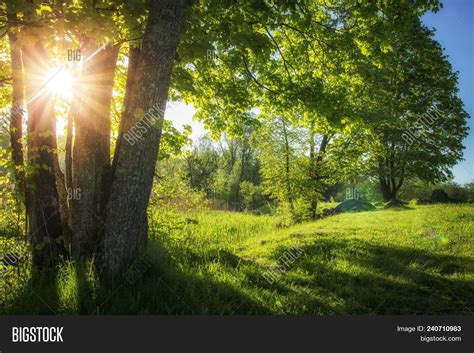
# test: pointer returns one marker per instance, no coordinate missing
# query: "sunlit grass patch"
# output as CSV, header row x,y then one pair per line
x,y
414,261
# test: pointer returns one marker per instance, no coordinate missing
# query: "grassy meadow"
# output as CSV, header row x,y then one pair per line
x,y
418,260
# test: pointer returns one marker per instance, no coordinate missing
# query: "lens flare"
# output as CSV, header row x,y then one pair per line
x,y
59,80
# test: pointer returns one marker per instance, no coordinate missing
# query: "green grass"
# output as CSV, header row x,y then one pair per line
x,y
411,261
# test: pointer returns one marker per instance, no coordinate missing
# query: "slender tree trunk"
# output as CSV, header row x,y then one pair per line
x,y
91,151
315,162
63,204
16,119
312,173
69,142
46,233
287,166
244,156
125,232
68,184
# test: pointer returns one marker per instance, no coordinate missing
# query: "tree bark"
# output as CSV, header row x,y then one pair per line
x,y
315,162
125,231
91,149
385,189
312,172
389,188
69,142
42,194
16,118
133,57
388,181
287,166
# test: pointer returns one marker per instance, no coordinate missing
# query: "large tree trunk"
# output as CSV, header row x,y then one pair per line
x,y
91,151
389,186
125,231
385,189
133,58
46,233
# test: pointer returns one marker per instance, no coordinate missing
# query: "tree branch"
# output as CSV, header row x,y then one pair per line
x,y
255,79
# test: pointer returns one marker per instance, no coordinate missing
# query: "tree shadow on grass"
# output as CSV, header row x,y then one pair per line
x,y
376,279
332,276
84,289
185,283
276,295
399,209
166,287
173,286
37,296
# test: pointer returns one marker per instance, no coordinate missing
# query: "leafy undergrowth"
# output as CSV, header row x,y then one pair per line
x,y
401,261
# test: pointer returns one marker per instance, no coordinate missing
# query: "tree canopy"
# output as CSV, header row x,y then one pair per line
x,y
302,95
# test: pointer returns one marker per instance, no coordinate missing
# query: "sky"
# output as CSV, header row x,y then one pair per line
x,y
180,114
454,25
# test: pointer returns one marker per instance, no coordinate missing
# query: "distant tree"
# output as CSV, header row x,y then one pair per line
x,y
202,164
284,168
423,123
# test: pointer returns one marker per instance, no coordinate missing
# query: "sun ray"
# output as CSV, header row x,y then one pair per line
x,y
59,81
